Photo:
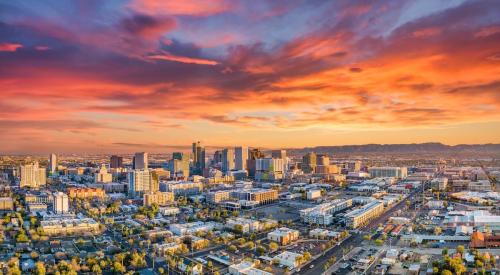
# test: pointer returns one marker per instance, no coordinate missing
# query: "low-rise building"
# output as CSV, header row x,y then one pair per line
x,y
159,198
261,196
166,248
246,268
319,233
86,192
69,226
395,172
363,215
323,213
192,228
169,211
184,188
217,196
35,207
439,184
313,194
288,259
246,225
6,203
283,235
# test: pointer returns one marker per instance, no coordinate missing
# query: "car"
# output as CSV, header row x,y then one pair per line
x,y
311,266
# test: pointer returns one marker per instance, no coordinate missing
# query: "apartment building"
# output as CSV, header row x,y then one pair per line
x,y
363,215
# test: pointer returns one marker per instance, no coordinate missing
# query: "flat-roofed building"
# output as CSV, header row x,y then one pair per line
x,y
439,184
363,215
480,186
384,172
6,203
164,249
246,225
283,235
185,188
191,228
323,213
86,192
33,176
261,196
246,268
159,198
217,196
69,226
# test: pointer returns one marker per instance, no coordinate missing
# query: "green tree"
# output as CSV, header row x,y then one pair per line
x,y
444,252
260,250
273,246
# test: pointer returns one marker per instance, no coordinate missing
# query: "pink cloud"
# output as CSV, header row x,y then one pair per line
x,y
9,47
42,48
185,7
484,32
182,59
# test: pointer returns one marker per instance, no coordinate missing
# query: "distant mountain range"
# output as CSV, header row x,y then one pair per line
x,y
401,148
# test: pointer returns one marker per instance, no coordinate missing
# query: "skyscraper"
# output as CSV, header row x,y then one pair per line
x,y
116,162
253,155
281,154
198,157
32,176
309,162
240,158
179,165
141,160
61,203
322,160
140,182
217,156
227,160
52,163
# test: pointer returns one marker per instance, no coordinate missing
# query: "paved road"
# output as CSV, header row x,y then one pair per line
x,y
336,251
353,240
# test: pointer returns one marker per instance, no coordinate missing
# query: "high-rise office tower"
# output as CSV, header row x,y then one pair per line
x,y
141,160
227,160
140,182
217,156
309,162
268,169
322,160
52,163
253,155
198,157
116,162
32,176
61,203
179,165
281,154
240,158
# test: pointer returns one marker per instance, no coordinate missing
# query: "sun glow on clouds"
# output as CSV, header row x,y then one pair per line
x,y
141,70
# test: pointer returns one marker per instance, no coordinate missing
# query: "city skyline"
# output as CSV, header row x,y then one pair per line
x,y
138,75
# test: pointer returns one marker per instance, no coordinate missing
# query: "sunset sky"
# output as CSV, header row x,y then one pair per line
x,y
123,76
